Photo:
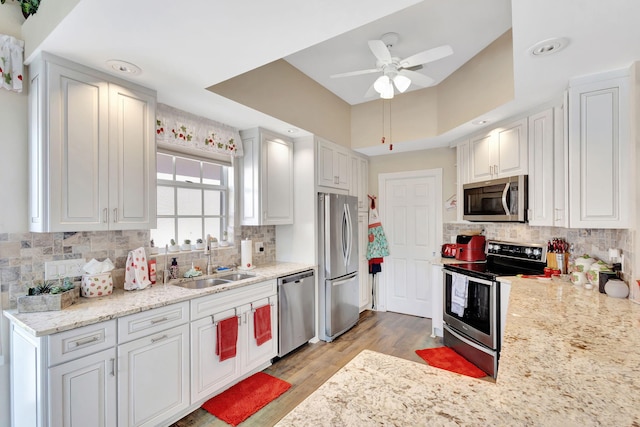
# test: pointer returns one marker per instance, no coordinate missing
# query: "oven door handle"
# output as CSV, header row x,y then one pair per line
x,y
471,278
468,341
505,193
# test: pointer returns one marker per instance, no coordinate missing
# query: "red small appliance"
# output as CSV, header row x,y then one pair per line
x,y
449,250
470,248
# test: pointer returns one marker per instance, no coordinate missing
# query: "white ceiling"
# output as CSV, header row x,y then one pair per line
x,y
467,26
184,47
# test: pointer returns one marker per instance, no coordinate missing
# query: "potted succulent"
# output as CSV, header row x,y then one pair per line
x,y
48,296
29,7
199,244
187,245
213,242
173,247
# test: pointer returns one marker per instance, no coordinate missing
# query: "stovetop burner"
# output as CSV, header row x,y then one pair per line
x,y
505,259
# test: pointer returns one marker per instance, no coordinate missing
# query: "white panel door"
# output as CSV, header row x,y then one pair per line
x,y
510,158
412,219
481,150
254,355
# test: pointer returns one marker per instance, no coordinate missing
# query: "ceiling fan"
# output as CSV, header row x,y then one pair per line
x,y
395,71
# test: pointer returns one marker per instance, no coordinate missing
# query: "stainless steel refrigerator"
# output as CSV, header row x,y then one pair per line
x,y
338,288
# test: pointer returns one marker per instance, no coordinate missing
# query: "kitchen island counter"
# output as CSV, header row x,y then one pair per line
x,y
569,358
88,311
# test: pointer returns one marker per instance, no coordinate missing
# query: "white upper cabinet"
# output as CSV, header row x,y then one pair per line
x,y
267,178
92,150
541,177
359,180
332,165
600,151
499,153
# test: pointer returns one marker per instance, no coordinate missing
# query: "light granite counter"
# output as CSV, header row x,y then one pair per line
x,y
121,303
570,357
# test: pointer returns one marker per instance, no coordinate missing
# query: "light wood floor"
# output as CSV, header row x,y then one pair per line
x,y
310,366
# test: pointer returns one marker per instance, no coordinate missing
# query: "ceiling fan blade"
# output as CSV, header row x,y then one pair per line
x,y
355,73
371,92
414,68
417,78
427,56
380,51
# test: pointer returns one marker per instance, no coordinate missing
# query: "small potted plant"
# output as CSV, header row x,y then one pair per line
x,y
214,242
186,246
29,7
47,296
173,247
199,244
152,247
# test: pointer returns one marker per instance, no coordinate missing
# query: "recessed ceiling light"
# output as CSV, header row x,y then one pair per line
x,y
480,122
549,46
292,130
124,67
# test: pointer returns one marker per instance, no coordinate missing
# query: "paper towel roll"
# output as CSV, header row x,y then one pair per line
x,y
246,253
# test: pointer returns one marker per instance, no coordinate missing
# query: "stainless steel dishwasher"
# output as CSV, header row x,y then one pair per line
x,y
296,311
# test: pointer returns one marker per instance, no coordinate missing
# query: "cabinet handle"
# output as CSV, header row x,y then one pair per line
x,y
105,215
495,169
558,216
160,338
490,170
113,367
163,319
336,179
85,341
115,214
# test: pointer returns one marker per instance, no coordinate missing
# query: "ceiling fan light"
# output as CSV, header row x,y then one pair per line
x,y
381,84
387,93
402,82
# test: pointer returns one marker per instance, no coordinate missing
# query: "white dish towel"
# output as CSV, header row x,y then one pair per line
x,y
459,291
136,274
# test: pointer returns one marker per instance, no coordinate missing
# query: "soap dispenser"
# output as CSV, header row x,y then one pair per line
x,y
174,268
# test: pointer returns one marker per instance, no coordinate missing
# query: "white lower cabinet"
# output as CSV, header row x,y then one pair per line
x,y
64,379
209,375
146,369
153,377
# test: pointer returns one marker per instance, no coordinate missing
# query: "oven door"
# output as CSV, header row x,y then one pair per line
x,y
479,320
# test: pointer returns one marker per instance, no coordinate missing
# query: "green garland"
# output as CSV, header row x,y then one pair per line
x,y
29,7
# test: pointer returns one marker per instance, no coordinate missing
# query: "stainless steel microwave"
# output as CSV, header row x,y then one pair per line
x,y
503,200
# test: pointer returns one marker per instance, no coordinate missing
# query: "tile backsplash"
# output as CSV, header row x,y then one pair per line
x,y
595,242
22,255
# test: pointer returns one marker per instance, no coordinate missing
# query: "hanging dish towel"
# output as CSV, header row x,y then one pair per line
x,y
136,275
377,246
11,63
262,324
459,293
227,331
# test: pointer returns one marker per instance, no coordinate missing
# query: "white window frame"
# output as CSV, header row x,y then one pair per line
x,y
225,188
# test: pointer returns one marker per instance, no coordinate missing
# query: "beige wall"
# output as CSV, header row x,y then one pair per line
x,y
281,91
444,158
406,117
484,83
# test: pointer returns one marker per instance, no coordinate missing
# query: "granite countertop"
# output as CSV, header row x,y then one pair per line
x,y
121,303
570,357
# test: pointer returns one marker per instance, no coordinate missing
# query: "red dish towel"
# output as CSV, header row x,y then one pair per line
x,y
262,324
227,338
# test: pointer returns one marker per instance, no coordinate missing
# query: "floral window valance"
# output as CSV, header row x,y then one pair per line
x,y
11,63
178,127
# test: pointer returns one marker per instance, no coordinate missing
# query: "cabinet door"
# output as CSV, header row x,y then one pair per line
x,y
462,175
599,154
132,173
363,184
363,264
541,169
326,174
510,157
208,373
354,179
481,151
341,168
153,377
258,356
83,392
78,149
277,178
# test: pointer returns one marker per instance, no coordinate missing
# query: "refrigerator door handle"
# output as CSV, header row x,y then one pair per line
x,y
349,235
345,235
345,280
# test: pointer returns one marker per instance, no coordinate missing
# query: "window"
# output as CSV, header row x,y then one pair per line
x,y
193,198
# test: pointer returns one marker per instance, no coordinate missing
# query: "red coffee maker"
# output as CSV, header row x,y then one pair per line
x,y
470,248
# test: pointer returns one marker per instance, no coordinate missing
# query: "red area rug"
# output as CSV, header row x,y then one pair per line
x,y
446,358
244,399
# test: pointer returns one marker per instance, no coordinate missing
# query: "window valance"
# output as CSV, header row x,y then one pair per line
x,y
178,127
11,63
